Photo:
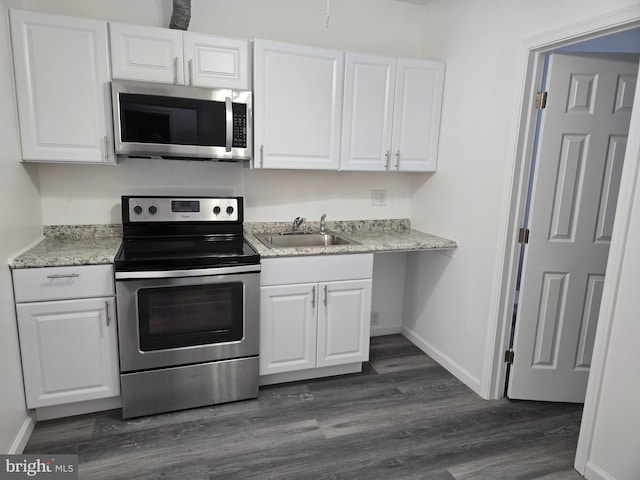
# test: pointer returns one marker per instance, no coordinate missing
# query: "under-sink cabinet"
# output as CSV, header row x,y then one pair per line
x,y
314,312
163,55
67,327
62,78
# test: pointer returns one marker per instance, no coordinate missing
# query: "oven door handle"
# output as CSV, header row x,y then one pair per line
x,y
196,272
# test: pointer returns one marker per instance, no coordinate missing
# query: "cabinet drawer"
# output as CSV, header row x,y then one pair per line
x,y
317,268
58,283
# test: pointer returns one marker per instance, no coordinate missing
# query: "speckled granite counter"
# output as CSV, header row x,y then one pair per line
x,y
68,245
373,235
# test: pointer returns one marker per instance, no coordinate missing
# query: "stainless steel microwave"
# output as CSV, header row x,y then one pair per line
x,y
177,122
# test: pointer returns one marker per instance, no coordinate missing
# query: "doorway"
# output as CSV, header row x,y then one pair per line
x,y
571,199
600,36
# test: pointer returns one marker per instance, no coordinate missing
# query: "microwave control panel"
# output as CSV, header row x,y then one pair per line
x,y
239,126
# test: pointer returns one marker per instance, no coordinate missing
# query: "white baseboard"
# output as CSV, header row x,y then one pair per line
x,y
23,436
456,370
310,373
379,331
592,472
80,408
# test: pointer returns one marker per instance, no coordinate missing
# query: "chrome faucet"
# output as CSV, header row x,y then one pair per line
x,y
323,224
296,224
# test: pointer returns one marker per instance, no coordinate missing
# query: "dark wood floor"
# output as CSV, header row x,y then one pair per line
x,y
404,417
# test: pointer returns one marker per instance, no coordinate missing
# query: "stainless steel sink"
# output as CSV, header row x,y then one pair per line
x,y
304,240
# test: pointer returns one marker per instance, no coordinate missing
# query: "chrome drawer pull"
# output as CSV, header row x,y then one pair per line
x,y
64,275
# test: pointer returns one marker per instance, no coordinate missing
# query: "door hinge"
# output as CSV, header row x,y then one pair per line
x,y
541,100
508,357
523,235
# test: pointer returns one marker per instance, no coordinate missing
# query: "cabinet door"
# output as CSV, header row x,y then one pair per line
x,y
69,351
216,62
287,328
297,106
62,85
368,112
146,53
344,322
416,119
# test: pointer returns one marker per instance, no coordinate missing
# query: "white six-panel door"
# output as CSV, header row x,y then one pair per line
x,y
580,153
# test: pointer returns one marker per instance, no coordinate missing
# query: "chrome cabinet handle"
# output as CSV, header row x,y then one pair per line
x,y
106,306
398,160
229,117
190,72
175,70
313,297
388,155
326,294
64,275
261,156
105,153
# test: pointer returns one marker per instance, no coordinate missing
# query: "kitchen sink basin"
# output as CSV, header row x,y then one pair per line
x,y
304,240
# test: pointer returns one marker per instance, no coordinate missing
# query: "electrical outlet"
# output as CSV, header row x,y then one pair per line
x,y
378,198
375,318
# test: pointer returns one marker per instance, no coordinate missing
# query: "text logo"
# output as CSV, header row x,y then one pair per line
x,y
50,467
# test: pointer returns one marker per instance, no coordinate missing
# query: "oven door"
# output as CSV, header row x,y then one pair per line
x,y
174,318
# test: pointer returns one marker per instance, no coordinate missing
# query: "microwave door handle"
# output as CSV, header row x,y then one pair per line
x,y
229,109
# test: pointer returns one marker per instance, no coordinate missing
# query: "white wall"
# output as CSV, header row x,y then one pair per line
x,y
20,225
90,194
467,199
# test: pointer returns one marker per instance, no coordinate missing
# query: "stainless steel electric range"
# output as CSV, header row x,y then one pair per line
x,y
187,293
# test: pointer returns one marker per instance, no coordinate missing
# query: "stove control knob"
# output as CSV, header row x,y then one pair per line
x,y
216,210
229,210
153,209
137,209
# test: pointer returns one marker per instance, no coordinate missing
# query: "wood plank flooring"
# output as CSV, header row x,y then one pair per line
x,y
404,417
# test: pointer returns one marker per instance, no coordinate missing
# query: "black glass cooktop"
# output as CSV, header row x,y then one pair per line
x,y
184,252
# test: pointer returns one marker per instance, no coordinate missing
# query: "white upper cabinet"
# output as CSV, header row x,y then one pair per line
x,y
297,106
163,55
369,92
391,113
416,116
62,84
146,53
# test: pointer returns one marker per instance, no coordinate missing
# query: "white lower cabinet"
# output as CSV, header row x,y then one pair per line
x,y
307,324
68,346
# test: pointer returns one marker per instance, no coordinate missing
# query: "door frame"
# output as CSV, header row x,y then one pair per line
x,y
532,68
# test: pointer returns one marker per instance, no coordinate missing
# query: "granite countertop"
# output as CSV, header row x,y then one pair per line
x,y
373,235
72,245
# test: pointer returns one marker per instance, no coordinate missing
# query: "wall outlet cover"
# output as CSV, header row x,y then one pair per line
x,y
378,198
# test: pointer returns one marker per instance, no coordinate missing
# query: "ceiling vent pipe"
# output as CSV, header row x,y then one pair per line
x,y
181,15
